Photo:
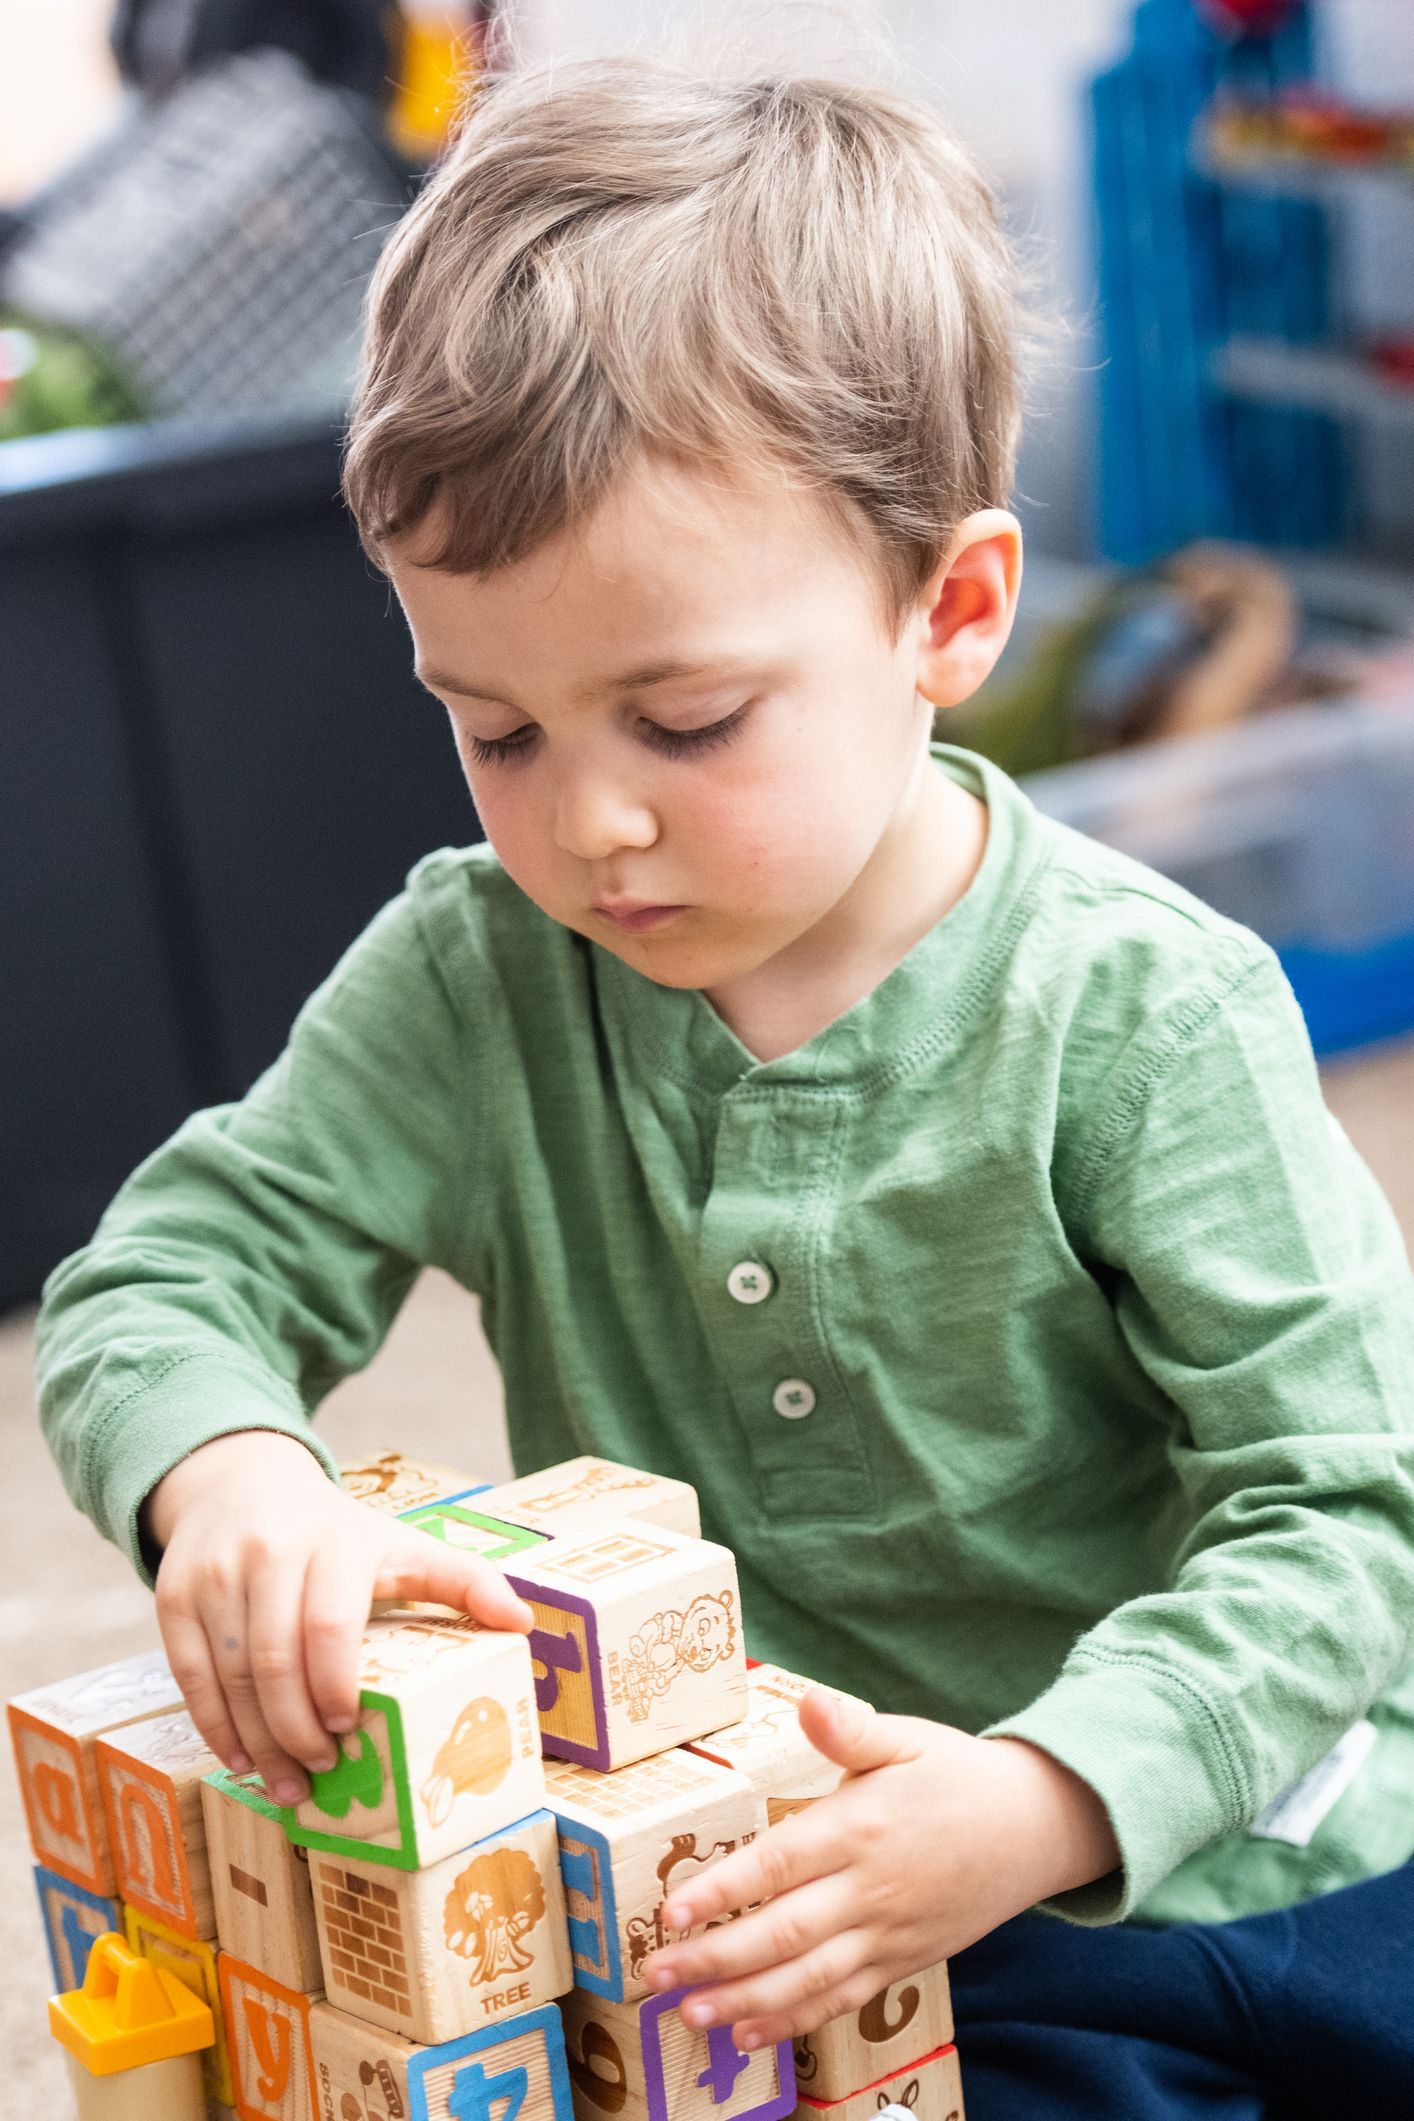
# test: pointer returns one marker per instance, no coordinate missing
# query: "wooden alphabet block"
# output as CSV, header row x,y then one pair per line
x,y
259,1882
54,1730
435,1953
511,2071
566,1499
769,1746
472,1531
72,1918
267,2035
388,1481
151,1775
637,1642
192,1960
626,1841
639,2062
907,2019
445,1751
927,2090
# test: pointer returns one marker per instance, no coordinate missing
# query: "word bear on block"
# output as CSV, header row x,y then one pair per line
x,y
929,2090
567,1499
471,1531
445,1749
639,2062
637,1642
389,1482
907,2019
511,2071
193,1961
626,1841
769,1745
54,1730
72,1919
433,1954
151,1776
259,1882
267,2034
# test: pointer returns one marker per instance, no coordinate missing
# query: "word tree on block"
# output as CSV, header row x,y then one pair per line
x,y
566,1499
259,1882
433,1954
73,1918
445,1750
472,1531
930,2090
267,2033
390,1482
193,1961
637,1642
769,1745
639,2062
907,2019
151,1775
54,1730
511,2071
626,1841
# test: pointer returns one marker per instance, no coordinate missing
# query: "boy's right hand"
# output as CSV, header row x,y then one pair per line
x,y
267,1578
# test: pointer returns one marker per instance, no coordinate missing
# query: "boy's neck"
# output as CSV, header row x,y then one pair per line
x,y
919,870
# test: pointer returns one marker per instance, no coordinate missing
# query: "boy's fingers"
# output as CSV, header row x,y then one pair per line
x,y
225,1621
788,1991
785,1929
189,1655
852,1734
415,1565
802,1847
839,2002
275,1607
337,1595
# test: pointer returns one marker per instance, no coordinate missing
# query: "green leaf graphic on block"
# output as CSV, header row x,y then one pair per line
x,y
350,1781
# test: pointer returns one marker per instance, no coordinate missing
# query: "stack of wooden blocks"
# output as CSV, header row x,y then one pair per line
x,y
453,1926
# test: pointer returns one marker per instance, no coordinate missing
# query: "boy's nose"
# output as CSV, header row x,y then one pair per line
x,y
595,818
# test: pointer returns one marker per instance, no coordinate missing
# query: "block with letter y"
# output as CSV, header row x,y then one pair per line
x,y
267,2037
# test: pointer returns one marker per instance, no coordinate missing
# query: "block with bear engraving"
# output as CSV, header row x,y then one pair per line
x,y
627,1840
151,1775
637,1642
909,2018
435,1953
194,1961
54,1730
927,2090
259,1882
513,2070
267,2039
769,1746
445,1750
639,2062
391,1482
568,1498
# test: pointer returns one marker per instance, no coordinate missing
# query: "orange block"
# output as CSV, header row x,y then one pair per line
x,y
151,1778
267,2036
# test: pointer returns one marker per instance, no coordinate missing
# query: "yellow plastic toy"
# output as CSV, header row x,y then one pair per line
x,y
134,2037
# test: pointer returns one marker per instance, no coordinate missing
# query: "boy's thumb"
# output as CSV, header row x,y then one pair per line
x,y
848,1732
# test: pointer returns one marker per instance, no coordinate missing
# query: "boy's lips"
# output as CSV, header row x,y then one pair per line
x,y
634,914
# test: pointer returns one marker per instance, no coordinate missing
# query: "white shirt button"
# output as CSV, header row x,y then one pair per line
x,y
750,1282
793,1399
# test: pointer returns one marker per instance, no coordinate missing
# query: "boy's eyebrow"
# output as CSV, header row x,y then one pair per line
x,y
630,681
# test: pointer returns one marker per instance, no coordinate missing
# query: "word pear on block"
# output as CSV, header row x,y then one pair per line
x,y
769,1745
637,1642
193,1961
259,1882
639,2062
626,1841
566,1499
54,1729
472,1531
927,2090
435,1953
390,1482
73,1918
907,2019
445,1750
151,1775
267,2034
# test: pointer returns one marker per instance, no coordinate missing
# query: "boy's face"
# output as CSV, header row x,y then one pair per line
x,y
747,792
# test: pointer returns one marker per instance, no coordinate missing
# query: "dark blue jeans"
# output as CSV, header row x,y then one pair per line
x,y
1306,2015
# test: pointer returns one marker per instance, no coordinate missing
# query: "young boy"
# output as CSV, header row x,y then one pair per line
x,y
950,1200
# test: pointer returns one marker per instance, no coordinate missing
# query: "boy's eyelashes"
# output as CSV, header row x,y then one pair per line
x,y
673,743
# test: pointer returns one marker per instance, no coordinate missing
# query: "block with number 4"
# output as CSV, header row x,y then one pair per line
x,y
639,2062
769,1745
511,2071
637,1642
445,1750
388,1481
151,1776
926,2090
567,1499
907,2019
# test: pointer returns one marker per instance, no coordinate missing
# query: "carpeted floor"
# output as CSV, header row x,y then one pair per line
x,y
67,1601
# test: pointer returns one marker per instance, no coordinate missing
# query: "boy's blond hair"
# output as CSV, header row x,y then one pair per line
x,y
789,275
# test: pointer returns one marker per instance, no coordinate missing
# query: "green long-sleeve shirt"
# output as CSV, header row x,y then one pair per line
x,y
1080,1404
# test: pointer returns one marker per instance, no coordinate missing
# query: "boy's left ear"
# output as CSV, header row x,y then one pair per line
x,y
966,608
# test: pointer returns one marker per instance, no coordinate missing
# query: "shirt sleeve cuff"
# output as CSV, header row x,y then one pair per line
x,y
1152,1748
197,1398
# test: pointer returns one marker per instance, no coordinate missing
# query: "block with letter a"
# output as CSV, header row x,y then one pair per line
x,y
259,1882
639,2062
567,1499
54,1730
637,1644
151,1776
769,1745
391,1482
909,2018
267,2034
445,1751
927,2090
627,1840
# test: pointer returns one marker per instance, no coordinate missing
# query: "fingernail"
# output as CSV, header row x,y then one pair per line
x,y
339,1724
662,1977
678,1916
288,1791
239,1763
748,2041
323,1765
699,2013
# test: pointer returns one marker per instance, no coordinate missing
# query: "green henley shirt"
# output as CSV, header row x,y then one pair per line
x,y
1080,1406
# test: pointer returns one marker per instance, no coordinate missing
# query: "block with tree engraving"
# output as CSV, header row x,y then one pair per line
x,y
568,1498
639,2062
259,1882
151,1775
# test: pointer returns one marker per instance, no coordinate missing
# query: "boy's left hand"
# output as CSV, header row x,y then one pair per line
x,y
932,1839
